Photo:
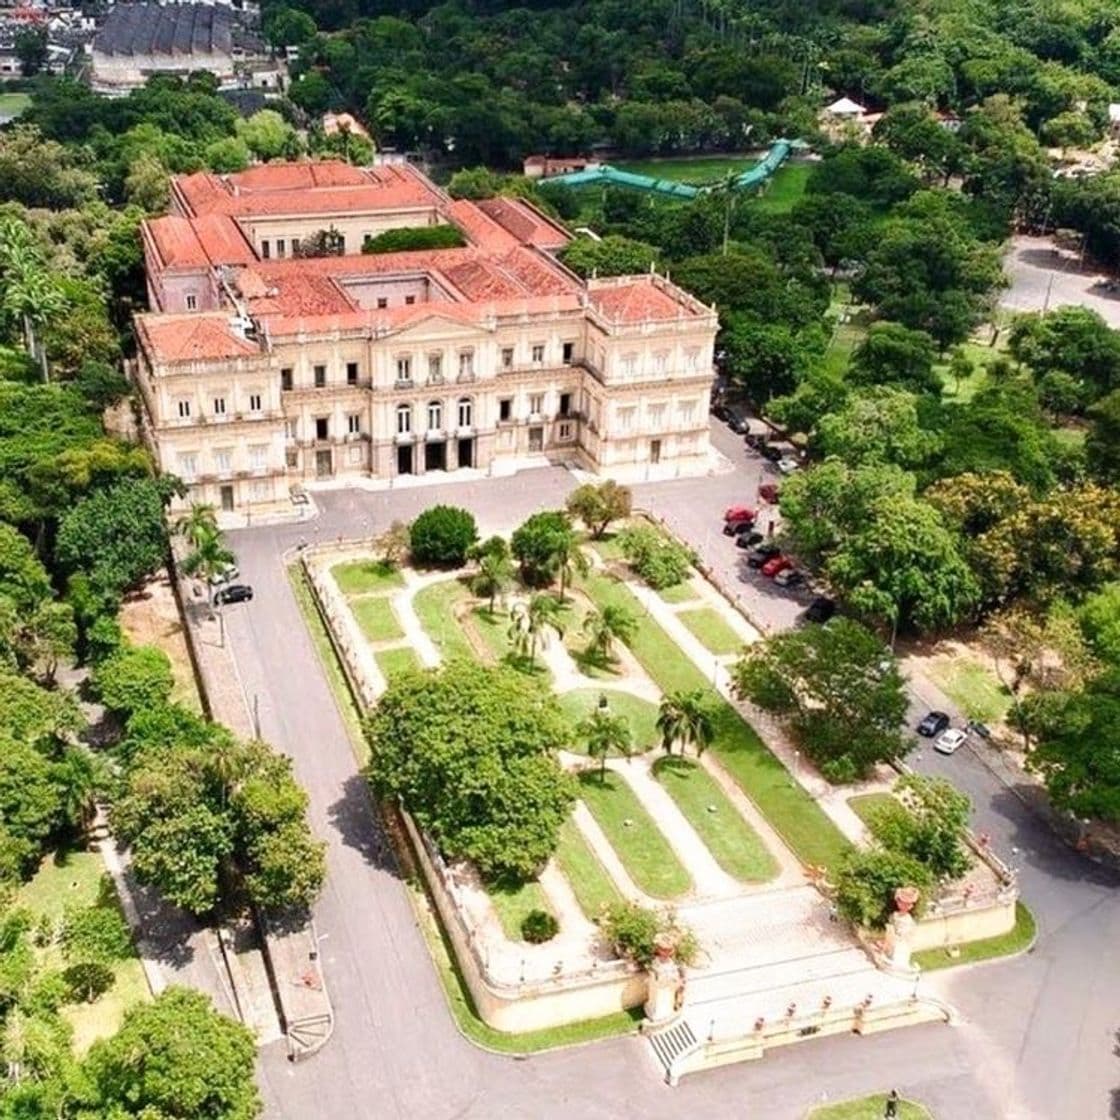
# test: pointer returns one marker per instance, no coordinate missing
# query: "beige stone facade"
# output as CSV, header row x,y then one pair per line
x,y
257,374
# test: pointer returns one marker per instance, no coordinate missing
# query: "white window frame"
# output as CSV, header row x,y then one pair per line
x,y
465,409
435,416
404,419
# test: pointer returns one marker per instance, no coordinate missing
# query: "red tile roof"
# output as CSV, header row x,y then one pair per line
x,y
638,299
198,243
526,222
186,338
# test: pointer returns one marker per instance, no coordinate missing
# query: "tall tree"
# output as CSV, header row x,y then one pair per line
x,y
604,734
686,718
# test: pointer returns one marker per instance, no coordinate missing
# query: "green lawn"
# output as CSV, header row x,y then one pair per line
x,y
466,1017
74,878
796,817
512,903
13,104
1072,439
336,678
678,593
640,714
435,607
697,170
707,624
360,577
642,847
731,840
593,887
394,662
1019,939
845,338
868,1108
864,805
785,190
972,687
377,620
608,547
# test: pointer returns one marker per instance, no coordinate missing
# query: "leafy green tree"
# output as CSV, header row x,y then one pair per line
x,y
603,734
598,505
880,424
1102,443
541,544
134,679
209,557
686,718
442,536
605,627
1071,340
198,524
1099,617
867,881
927,823
494,576
178,1058
469,752
609,256
31,49
893,354
660,561
23,579
268,135
96,933
30,804
637,933
227,155
80,775
837,688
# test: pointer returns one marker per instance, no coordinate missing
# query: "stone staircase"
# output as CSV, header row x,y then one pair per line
x,y
669,1044
306,1036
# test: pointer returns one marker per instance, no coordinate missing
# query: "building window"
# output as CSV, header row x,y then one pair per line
x,y
507,357
320,377
629,364
538,353
192,302
286,378
564,430
505,408
660,360
657,415
466,363
409,300
291,458
281,247
626,418
254,402
219,406
435,368
266,251
184,408
404,419
435,415
259,491
382,303
322,427
569,352
404,369
565,403
258,456
466,412
687,411
223,461
354,423
536,404
351,373
291,428
692,358
188,465
355,456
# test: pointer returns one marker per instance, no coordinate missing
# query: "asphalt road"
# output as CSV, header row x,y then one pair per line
x,y
1036,1040
1041,278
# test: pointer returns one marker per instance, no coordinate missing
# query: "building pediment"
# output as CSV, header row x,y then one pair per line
x,y
438,325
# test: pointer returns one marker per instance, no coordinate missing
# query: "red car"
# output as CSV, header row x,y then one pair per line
x,y
738,513
777,564
769,492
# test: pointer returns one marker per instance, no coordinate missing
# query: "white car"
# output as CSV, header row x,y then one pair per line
x,y
788,464
948,742
228,573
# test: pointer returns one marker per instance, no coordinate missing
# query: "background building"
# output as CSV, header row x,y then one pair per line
x,y
260,366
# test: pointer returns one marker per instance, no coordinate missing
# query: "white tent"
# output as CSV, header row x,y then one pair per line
x,y
845,107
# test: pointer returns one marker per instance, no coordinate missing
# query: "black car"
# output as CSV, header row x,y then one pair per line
x,y
769,452
749,538
737,422
820,610
735,528
234,593
720,411
933,723
758,556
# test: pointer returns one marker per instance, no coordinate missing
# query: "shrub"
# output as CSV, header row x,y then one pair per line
x,y
539,926
133,679
635,932
95,933
414,237
598,506
867,881
928,825
87,980
540,545
103,639
659,560
442,536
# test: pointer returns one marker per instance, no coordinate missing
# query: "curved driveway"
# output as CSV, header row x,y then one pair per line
x,y
1038,1032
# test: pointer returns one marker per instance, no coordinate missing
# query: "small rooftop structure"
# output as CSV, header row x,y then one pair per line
x,y
845,107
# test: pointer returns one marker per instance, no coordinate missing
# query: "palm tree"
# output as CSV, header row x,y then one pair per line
x,y
493,578
80,775
603,628
685,718
604,733
209,557
202,521
531,623
570,560
32,298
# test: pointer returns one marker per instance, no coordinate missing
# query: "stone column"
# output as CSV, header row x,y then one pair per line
x,y
664,978
900,929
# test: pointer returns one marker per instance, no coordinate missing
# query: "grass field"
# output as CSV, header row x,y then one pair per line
x,y
434,607
696,169
679,593
1017,940
734,844
512,904
868,1108
13,104
712,629
360,577
785,190
593,887
394,662
981,357
972,687
376,619
864,805
640,714
642,847
796,817
74,878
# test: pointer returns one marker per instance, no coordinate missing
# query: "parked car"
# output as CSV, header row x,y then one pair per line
x,y
981,729
770,492
749,538
233,593
754,440
227,575
933,723
719,409
788,464
737,422
758,556
775,565
770,452
789,577
949,741
820,610
736,517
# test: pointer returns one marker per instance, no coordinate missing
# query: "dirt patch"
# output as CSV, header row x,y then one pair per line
x,y
151,616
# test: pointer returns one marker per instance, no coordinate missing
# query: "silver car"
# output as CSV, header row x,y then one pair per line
x,y
950,741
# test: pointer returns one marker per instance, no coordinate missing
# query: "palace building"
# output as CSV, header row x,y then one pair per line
x,y
276,353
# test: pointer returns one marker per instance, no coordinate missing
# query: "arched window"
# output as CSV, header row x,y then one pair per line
x,y
466,412
404,419
435,415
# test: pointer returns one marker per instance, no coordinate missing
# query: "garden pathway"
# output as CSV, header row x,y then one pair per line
x,y
607,856
406,613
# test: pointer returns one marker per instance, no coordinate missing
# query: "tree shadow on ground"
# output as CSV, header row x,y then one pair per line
x,y
361,827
